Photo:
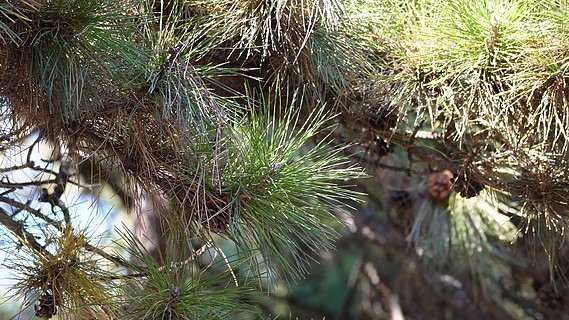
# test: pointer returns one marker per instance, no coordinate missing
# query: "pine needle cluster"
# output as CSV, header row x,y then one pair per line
x,y
214,116
487,81
239,120
64,279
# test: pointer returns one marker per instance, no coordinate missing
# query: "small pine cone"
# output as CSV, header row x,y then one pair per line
x,y
45,307
467,187
218,224
217,215
440,185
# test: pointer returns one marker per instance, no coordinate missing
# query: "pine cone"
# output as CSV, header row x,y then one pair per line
x,y
218,214
440,185
45,307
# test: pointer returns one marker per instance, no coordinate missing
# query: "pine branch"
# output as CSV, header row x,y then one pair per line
x,y
26,207
18,229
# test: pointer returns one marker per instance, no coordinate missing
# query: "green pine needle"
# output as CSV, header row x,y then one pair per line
x,y
178,289
285,188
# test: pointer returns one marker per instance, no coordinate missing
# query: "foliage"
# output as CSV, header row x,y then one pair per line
x,y
247,125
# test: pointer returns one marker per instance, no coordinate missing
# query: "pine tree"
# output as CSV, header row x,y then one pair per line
x,y
426,140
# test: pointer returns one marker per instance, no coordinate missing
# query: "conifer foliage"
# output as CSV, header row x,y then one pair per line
x,y
433,136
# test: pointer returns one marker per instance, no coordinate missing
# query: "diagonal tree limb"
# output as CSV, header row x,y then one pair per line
x,y
17,228
35,212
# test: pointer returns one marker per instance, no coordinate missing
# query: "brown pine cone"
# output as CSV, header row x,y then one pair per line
x,y
440,185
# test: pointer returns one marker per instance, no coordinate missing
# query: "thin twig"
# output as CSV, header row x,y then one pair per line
x,y
54,198
29,164
8,191
415,131
26,207
116,260
31,148
20,185
185,263
395,168
17,227
428,157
